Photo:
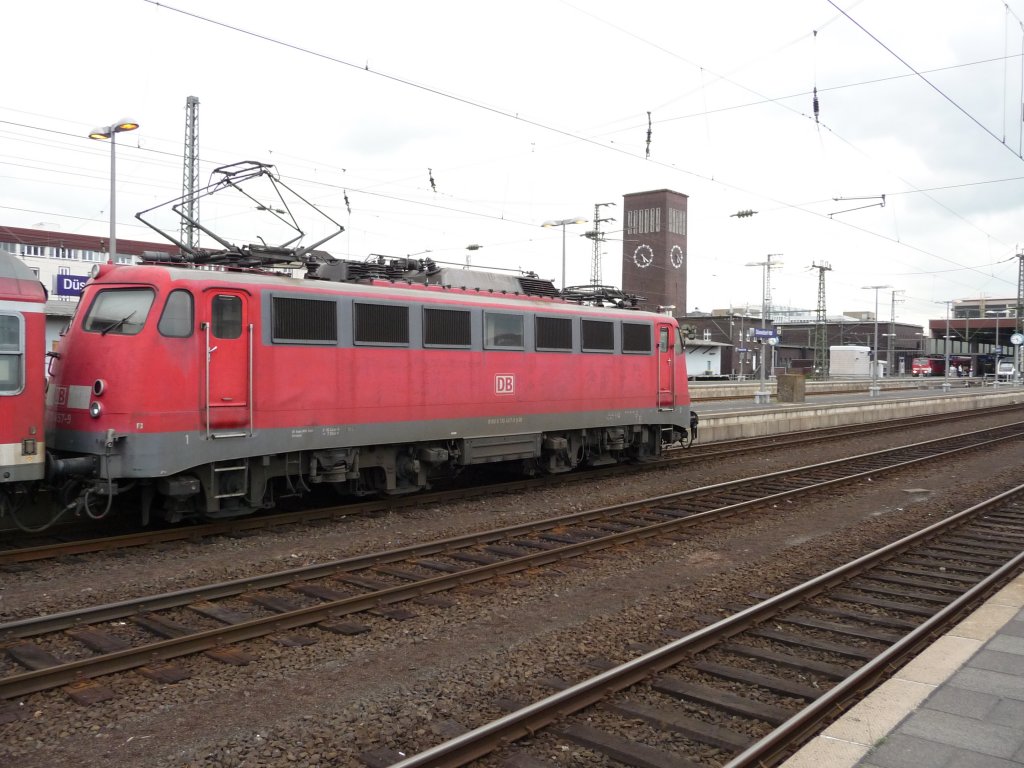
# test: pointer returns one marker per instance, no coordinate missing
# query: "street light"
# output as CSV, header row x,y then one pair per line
x,y
762,395
998,348
945,343
873,389
562,223
109,132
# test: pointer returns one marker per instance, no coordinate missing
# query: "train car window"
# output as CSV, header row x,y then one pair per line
x,y
679,343
226,317
502,331
120,311
11,354
381,324
554,334
177,318
663,340
598,335
636,338
312,321
447,327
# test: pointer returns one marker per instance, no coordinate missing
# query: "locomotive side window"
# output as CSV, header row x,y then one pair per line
x,y
663,340
381,324
176,319
12,351
447,327
226,317
503,331
636,338
305,320
598,335
121,311
554,334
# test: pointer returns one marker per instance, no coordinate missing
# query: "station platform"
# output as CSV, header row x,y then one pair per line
x,y
731,419
959,704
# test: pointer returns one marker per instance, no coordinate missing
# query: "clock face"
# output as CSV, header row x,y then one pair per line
x,y
676,256
643,256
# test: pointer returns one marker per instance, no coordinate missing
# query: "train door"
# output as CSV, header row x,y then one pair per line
x,y
666,367
228,386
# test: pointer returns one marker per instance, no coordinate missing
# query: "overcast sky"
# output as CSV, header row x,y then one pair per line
x,y
530,111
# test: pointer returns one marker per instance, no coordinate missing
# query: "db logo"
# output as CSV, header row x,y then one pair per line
x,y
504,384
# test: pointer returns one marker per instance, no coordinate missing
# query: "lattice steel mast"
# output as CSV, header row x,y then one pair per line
x,y
1020,293
598,237
190,177
820,364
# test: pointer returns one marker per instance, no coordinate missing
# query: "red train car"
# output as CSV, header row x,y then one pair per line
x,y
936,366
212,392
22,380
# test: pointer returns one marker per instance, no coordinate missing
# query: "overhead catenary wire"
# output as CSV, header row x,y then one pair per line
x,y
574,137
936,88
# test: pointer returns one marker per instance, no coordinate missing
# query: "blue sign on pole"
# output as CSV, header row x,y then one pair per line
x,y
764,333
69,285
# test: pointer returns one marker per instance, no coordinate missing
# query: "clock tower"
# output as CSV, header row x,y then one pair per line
x,y
654,249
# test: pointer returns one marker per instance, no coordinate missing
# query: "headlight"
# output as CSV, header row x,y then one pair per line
x,y
99,387
95,409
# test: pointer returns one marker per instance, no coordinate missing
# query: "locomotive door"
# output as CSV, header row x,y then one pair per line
x,y
228,387
666,368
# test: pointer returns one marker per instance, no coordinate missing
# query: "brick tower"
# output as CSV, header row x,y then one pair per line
x,y
654,248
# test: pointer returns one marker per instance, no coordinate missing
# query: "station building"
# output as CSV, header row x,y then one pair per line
x,y
63,261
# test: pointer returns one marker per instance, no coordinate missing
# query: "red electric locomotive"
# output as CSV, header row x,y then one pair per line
x,y
214,391
22,380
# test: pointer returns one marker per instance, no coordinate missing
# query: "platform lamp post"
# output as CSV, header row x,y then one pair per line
x,y
109,132
762,395
995,313
945,344
874,389
563,223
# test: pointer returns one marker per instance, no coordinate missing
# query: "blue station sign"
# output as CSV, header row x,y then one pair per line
x,y
69,285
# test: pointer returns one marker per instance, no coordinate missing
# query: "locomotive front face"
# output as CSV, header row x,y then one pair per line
x,y
122,371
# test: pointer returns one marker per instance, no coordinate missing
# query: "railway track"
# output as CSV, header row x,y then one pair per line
x,y
778,669
27,551
75,649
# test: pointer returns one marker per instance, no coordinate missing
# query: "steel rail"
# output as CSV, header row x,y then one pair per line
x,y
21,628
528,720
689,455
43,679
780,741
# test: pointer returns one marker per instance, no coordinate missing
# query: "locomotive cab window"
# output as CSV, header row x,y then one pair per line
x,y
503,331
226,317
12,352
176,319
120,311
